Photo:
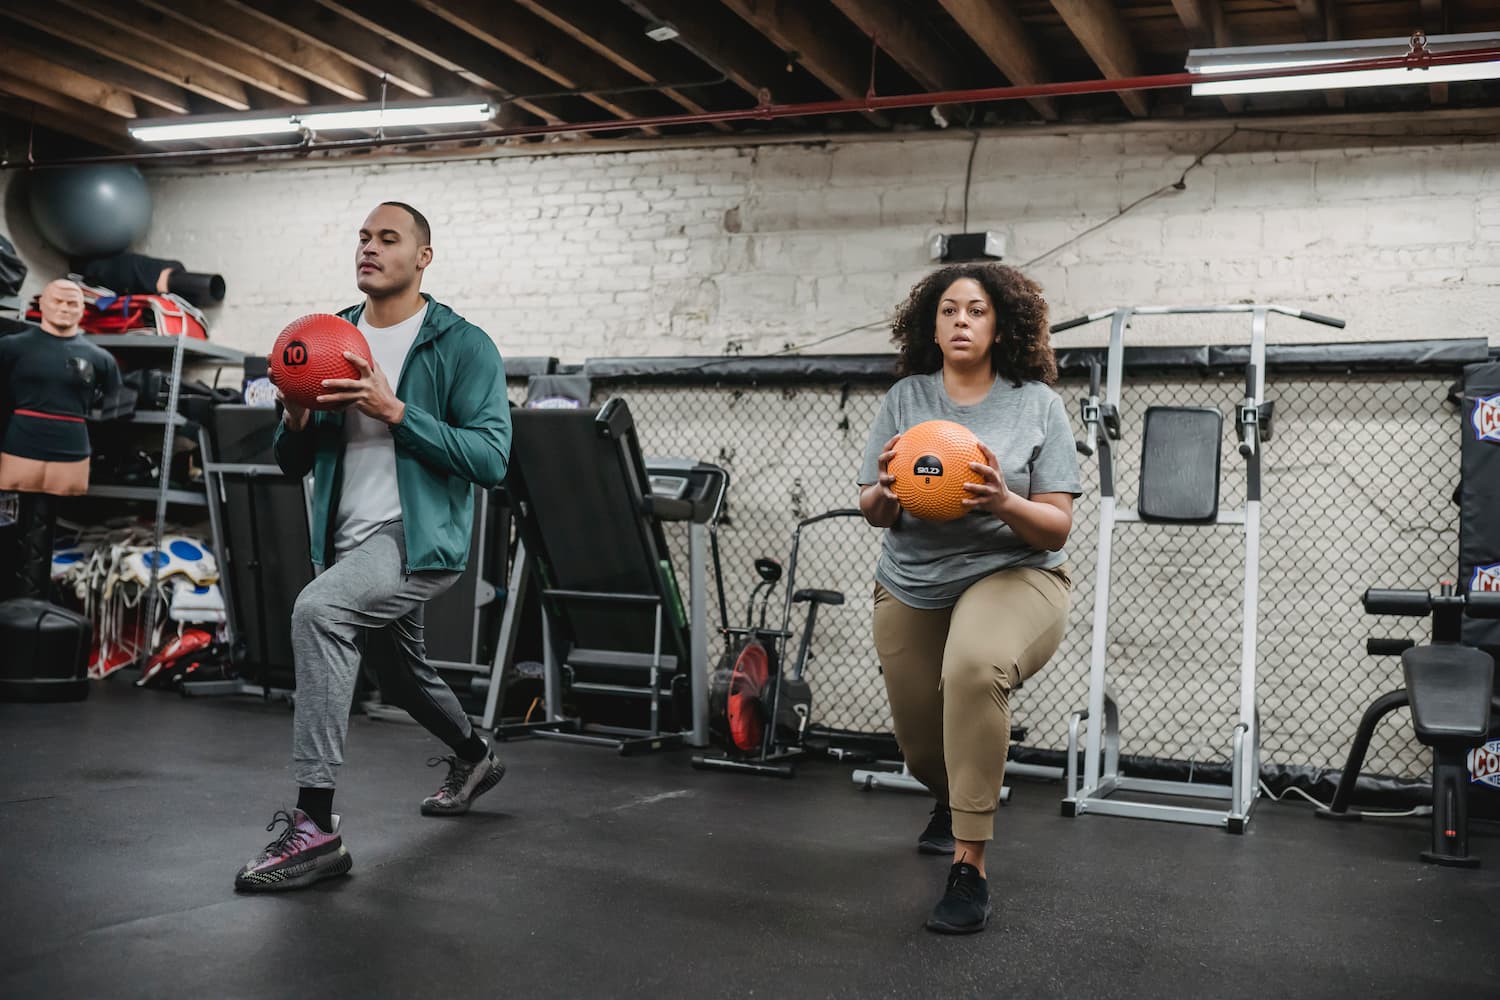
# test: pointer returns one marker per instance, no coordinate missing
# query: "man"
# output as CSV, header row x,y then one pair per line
x,y
49,379
394,466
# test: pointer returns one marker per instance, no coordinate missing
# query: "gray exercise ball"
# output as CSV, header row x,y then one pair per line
x,y
90,211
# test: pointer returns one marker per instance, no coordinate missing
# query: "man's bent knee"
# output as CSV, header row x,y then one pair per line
x,y
310,614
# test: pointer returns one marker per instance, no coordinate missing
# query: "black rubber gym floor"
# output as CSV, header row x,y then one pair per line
x,y
587,874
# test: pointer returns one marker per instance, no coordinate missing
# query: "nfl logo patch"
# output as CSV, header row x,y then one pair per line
x,y
1487,418
1486,578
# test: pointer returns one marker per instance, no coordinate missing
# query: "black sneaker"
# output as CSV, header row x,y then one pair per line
x,y
465,783
965,906
938,837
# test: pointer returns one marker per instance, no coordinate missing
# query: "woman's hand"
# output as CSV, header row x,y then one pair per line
x,y
991,495
887,479
878,501
1042,520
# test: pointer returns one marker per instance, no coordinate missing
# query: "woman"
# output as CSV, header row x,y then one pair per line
x,y
966,610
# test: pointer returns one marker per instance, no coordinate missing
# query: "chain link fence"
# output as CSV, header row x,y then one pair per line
x,y
1358,481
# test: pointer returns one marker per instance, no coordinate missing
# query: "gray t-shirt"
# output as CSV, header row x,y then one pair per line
x,y
928,564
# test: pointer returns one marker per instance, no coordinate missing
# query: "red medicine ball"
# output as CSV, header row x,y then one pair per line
x,y
311,349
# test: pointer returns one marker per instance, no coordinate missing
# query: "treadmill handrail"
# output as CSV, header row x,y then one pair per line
x,y
597,595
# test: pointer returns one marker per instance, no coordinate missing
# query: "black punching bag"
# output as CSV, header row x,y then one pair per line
x,y
36,526
1479,498
44,652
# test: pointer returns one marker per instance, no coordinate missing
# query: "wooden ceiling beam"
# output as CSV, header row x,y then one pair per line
x,y
134,24
999,34
789,26
64,114
1204,21
898,30
1318,21
624,43
189,74
1206,28
25,64
1436,16
155,95
1099,27
1320,24
451,49
701,29
521,35
359,46
273,43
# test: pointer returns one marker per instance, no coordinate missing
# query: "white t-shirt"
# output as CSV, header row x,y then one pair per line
x,y
368,498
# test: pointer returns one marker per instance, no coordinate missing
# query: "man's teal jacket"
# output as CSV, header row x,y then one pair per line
x,y
455,433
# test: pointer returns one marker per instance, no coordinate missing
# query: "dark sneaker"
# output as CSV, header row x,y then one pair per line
x,y
302,855
938,837
465,783
965,906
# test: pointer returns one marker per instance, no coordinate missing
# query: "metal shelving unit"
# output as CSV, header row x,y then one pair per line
x,y
186,498
154,417
198,350
170,420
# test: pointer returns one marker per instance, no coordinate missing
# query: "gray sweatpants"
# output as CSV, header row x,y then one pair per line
x,y
364,589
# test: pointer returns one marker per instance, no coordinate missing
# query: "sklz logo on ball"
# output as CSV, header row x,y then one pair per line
x,y
928,465
1487,418
1484,764
294,353
1486,578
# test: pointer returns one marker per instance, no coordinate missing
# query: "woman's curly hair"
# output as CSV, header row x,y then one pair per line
x,y
1023,348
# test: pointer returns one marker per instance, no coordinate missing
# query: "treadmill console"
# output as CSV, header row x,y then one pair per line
x,y
701,484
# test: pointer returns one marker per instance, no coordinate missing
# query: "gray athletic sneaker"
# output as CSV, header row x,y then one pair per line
x,y
465,783
304,853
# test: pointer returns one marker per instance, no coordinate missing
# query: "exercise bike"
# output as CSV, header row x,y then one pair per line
x,y
759,709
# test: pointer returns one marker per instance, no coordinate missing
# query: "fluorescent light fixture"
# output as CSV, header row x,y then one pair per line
x,y
661,33
316,120
395,116
1251,58
218,128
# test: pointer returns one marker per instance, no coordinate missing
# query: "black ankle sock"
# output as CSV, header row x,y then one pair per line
x,y
318,804
472,750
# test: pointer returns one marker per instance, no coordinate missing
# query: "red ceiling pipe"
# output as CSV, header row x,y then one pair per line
x,y
1413,61
1420,57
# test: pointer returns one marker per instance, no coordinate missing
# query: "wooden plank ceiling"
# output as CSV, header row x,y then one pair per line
x,y
74,74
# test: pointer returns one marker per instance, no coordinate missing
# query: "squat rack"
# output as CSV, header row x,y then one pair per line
x,y
1183,490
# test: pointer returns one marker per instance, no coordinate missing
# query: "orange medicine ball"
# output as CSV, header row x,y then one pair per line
x,y
931,465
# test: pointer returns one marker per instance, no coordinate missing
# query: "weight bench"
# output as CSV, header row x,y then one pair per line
x,y
625,651
1450,688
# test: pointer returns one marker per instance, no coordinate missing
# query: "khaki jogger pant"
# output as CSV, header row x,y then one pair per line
x,y
950,673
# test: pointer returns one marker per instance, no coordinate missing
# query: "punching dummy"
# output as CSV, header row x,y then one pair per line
x,y
50,378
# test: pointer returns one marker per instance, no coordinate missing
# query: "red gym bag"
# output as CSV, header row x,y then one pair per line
x,y
106,312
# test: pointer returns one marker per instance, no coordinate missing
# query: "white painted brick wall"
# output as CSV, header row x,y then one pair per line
x,y
694,250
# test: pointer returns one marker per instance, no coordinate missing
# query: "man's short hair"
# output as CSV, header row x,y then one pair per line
x,y
424,231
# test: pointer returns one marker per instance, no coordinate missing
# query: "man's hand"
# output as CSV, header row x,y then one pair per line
x,y
294,416
371,393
